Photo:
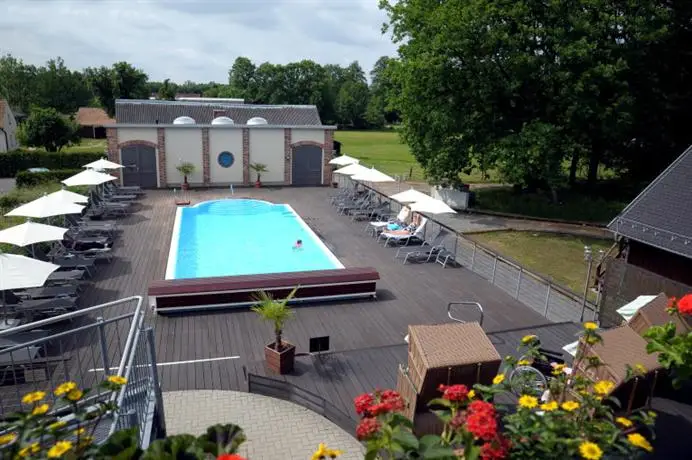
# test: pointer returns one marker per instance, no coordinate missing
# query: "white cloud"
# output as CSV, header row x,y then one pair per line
x,y
193,39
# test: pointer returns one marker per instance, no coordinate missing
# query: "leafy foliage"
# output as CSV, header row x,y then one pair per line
x,y
120,81
13,162
259,168
32,179
276,312
47,129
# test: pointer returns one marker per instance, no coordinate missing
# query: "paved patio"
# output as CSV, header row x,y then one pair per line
x,y
274,429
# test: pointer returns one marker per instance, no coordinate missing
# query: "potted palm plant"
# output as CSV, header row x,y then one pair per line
x,y
280,355
259,168
185,168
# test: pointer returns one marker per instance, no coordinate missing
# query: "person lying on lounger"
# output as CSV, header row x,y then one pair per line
x,y
410,228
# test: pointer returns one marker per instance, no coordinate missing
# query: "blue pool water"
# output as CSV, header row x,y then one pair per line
x,y
242,237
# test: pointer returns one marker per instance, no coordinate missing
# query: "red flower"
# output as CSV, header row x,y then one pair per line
x,y
393,399
482,425
482,407
454,392
230,457
458,420
363,403
671,303
496,449
367,428
380,408
685,305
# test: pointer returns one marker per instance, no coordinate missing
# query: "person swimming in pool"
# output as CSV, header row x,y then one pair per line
x,y
298,245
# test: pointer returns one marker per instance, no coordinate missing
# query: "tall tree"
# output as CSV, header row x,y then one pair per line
x,y
17,83
382,92
167,91
58,87
121,81
241,79
47,128
352,103
100,80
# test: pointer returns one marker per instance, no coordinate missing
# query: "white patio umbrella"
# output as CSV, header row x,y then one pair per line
x,y
66,195
353,168
410,196
344,160
88,177
431,206
102,165
46,207
372,175
19,272
30,233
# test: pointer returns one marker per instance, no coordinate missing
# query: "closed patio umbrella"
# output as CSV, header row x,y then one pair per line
x,y
372,175
46,207
102,165
431,206
410,196
344,160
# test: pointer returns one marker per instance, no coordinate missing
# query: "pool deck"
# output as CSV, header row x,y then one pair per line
x,y
407,294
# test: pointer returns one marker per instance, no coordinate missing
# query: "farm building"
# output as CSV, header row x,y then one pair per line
x,y
8,128
222,140
91,121
655,242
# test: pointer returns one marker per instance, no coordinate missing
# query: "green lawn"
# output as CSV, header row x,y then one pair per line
x,y
87,145
560,257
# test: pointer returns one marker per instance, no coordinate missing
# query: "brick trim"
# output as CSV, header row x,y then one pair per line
x,y
161,149
327,154
135,142
113,149
299,143
206,173
288,157
246,156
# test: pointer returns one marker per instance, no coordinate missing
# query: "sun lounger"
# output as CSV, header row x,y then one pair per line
x,y
378,226
426,251
127,189
359,203
445,257
67,277
49,292
405,238
370,212
72,262
94,254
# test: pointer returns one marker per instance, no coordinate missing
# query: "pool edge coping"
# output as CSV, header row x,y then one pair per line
x,y
172,262
318,240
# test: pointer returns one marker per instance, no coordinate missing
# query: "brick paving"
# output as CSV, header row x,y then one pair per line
x,y
275,429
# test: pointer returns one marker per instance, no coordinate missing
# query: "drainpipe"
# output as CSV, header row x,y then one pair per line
x,y
7,139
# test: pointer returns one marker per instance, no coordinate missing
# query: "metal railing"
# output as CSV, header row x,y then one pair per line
x,y
287,391
543,295
85,347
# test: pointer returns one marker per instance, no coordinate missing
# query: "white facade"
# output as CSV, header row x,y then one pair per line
x,y
183,145
225,140
267,147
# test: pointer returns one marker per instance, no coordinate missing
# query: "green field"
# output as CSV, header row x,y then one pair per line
x,y
560,257
87,145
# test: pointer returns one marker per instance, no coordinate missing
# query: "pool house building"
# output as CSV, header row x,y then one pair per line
x,y
222,139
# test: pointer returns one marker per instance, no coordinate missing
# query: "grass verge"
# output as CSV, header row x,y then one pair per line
x,y
87,145
559,257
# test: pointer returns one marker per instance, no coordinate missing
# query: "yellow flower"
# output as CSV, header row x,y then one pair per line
x,y
624,422
323,452
527,339
59,449
640,369
603,387
333,453
569,406
590,326
79,431
592,340
590,451
528,401
29,450
640,441
57,425
34,396
117,380
549,406
472,394
7,438
75,395
558,369
40,409
499,378
523,362
65,388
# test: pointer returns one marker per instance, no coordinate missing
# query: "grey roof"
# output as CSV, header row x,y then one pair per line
x,y
661,215
131,111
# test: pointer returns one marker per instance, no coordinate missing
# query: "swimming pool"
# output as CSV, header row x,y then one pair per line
x,y
243,237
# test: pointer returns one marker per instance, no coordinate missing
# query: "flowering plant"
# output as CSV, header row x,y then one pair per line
x,y
674,348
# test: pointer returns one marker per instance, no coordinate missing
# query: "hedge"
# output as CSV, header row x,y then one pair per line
x,y
32,179
19,160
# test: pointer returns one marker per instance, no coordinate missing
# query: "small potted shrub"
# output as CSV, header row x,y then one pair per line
x,y
185,169
259,168
280,355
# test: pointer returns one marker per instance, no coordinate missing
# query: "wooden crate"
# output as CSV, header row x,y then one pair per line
x,y
654,314
408,392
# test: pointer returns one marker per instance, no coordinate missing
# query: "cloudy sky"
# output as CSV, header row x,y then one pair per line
x,y
192,39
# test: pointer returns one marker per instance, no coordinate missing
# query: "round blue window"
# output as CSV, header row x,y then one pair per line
x,y
226,159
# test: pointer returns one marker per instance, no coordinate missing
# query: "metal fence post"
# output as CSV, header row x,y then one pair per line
x,y
473,256
494,269
104,346
521,272
547,300
155,379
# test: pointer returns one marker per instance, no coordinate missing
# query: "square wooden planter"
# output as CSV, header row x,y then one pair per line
x,y
280,362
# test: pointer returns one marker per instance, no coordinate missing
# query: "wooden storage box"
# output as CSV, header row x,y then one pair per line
x,y
654,314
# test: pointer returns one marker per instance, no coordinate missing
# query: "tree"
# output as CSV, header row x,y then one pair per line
x,y
47,128
241,79
17,83
352,103
383,90
101,82
58,87
121,81
167,91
